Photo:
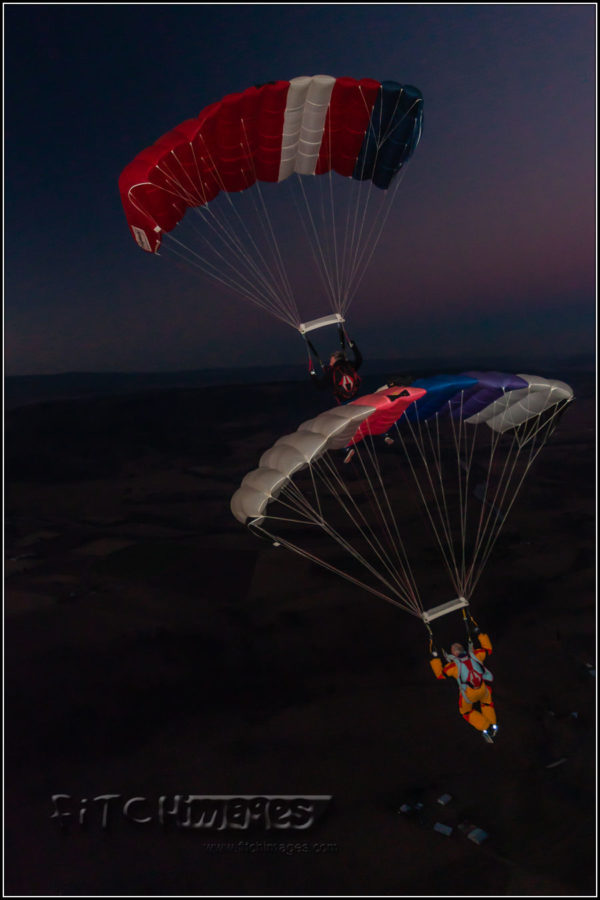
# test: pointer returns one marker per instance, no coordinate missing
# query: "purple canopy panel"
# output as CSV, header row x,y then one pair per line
x,y
490,386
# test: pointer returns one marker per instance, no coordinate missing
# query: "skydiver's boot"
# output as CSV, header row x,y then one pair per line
x,y
487,735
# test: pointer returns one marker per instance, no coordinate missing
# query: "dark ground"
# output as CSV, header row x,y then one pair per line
x,y
154,647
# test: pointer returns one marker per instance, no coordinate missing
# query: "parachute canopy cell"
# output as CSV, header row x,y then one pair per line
x,y
363,129
331,430
487,387
519,405
390,405
437,391
339,424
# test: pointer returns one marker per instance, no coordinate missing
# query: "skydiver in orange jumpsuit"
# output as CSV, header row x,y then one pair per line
x,y
473,679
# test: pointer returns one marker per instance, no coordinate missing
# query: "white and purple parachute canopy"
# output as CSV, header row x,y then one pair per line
x,y
457,450
502,401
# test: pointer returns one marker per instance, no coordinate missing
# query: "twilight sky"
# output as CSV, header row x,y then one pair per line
x,y
490,247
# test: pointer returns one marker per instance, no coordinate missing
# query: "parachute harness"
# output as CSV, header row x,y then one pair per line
x,y
310,348
468,621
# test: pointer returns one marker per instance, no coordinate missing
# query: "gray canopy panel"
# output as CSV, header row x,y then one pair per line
x,y
516,407
331,430
339,424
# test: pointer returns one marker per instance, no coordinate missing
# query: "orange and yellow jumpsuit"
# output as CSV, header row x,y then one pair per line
x,y
459,668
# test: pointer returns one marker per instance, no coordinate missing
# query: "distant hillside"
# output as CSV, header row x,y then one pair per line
x,y
21,390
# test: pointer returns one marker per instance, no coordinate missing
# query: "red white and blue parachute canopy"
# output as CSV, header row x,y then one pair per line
x,y
363,129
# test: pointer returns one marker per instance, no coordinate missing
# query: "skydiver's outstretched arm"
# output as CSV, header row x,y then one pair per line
x,y
484,642
436,664
320,381
311,365
473,629
358,359
345,339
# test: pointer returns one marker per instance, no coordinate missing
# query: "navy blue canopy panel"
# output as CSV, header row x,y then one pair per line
x,y
440,390
394,132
